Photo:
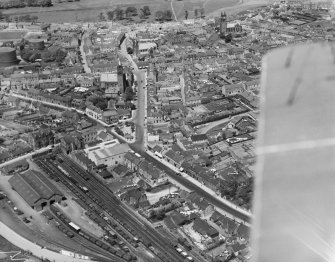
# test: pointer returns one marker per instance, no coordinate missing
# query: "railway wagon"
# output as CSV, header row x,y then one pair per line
x,y
74,226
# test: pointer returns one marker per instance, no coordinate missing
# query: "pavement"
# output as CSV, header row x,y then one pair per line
x,y
37,250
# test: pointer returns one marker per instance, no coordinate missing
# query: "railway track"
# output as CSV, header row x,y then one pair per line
x,y
106,201
116,208
54,172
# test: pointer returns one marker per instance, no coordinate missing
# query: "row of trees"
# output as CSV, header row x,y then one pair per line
x,y
120,14
163,15
240,192
19,18
6,4
197,13
46,56
23,18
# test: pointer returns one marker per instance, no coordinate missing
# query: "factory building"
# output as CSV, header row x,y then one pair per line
x,y
109,153
35,189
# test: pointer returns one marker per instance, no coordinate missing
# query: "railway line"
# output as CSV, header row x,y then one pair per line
x,y
104,256
52,171
116,209
104,202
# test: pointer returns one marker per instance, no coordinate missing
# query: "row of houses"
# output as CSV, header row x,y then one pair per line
x,y
149,172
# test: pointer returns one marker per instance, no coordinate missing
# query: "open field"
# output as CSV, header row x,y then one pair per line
x,y
86,10
215,7
242,5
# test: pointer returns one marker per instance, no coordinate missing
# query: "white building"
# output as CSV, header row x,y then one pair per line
x,y
108,153
144,48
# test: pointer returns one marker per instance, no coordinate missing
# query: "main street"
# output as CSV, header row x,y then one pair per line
x,y
140,147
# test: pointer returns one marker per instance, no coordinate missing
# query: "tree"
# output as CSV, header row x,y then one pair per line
x,y
275,12
118,13
60,55
48,56
146,10
228,38
127,12
102,16
130,50
159,15
129,93
45,3
131,10
142,14
110,15
202,12
26,18
34,19
167,15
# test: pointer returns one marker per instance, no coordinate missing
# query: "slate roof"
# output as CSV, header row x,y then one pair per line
x,y
243,231
174,156
33,186
131,157
150,169
204,228
200,137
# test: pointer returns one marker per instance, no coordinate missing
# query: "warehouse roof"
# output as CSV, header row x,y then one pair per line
x,y
33,186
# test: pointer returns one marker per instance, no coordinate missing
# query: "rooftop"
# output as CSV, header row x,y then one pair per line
x,y
33,186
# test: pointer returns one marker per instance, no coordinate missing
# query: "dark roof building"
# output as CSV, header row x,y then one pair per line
x,y
35,189
203,228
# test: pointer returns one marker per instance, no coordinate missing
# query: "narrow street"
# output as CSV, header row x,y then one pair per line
x,y
83,54
139,119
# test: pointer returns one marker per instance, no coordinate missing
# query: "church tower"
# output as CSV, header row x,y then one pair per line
x,y
120,78
223,23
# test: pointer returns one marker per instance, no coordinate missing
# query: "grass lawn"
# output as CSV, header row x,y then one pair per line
x,y
6,246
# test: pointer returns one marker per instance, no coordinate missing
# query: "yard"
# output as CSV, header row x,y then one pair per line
x,y
154,197
77,215
119,183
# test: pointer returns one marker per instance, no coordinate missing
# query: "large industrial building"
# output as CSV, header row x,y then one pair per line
x,y
35,189
109,153
8,57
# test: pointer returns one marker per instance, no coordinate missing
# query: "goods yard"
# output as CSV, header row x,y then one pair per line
x,y
123,229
